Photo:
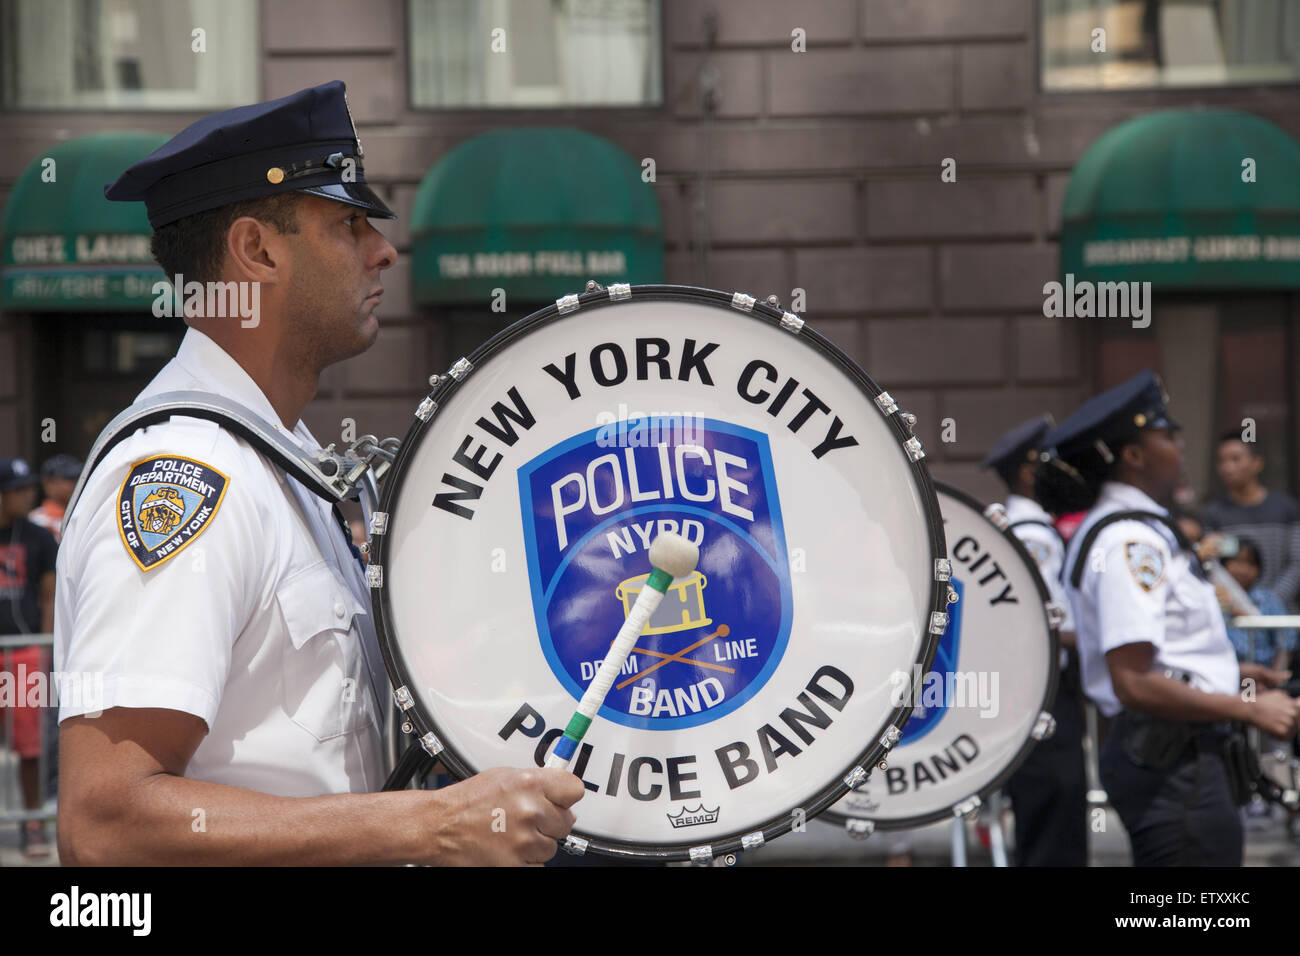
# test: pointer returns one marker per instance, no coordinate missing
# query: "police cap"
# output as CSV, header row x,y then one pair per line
x,y
304,142
1020,445
1110,420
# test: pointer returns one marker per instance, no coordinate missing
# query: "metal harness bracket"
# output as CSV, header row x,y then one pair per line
x,y
326,473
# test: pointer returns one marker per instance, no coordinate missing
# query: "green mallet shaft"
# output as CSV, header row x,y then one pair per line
x,y
671,556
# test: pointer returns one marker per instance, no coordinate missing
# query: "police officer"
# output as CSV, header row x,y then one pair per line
x,y
1155,655
242,688
1049,790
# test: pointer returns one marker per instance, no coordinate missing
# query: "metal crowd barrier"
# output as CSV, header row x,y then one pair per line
x,y
13,811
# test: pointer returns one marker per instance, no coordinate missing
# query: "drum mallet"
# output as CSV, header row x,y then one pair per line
x,y
671,556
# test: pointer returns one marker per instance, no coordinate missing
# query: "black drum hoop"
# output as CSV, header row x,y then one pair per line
x,y
1049,696
445,391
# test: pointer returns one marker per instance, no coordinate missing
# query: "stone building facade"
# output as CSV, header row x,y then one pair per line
x,y
816,170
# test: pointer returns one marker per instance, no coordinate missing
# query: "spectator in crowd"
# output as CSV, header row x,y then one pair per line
x,y
26,607
1249,510
59,477
1272,648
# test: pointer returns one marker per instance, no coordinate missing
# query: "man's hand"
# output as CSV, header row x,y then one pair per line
x,y
1207,549
123,800
1276,713
504,817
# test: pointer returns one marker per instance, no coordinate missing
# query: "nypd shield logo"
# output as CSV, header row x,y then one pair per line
x,y
1145,563
1038,551
591,507
164,504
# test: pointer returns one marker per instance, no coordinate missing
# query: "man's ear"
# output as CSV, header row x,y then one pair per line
x,y
254,249
1133,456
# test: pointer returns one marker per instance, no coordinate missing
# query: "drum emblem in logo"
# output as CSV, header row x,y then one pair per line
x,y
930,708
592,505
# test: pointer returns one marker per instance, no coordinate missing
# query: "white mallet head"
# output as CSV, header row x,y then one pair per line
x,y
674,554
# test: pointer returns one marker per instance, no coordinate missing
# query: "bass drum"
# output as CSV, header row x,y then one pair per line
x,y
511,541
987,700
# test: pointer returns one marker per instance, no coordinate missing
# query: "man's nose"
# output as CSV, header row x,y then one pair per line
x,y
385,253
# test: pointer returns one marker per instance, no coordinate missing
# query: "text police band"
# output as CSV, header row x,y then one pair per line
x,y
735,759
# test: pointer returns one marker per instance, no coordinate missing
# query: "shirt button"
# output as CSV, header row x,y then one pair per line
x,y
339,609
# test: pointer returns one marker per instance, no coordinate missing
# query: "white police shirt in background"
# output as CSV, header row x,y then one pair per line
x,y
253,625
1138,586
1046,547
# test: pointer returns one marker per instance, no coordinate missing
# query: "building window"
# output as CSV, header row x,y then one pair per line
x,y
534,53
1168,43
128,54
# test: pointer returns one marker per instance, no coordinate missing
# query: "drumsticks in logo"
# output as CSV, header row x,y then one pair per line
x,y
671,556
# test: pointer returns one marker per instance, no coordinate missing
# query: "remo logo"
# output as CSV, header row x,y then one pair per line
x,y
592,505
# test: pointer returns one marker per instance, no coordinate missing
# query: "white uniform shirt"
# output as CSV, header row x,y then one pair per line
x,y
253,625
1046,547
1138,586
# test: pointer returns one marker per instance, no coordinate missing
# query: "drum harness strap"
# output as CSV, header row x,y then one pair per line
x,y
1037,521
1076,573
327,474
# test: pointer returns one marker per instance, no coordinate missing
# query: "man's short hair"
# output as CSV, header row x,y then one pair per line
x,y
1248,549
1235,435
195,246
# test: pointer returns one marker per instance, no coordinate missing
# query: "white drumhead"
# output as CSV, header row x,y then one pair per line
x,y
993,674
517,542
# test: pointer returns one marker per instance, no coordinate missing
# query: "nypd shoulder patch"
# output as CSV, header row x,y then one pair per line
x,y
165,503
1038,551
1145,563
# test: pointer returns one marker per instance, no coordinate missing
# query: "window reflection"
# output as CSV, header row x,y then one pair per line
x,y
1154,43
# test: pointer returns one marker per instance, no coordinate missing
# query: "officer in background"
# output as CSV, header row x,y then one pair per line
x,y
1154,652
243,688
1049,791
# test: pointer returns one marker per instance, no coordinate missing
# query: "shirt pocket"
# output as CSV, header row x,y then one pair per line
x,y
1192,608
324,681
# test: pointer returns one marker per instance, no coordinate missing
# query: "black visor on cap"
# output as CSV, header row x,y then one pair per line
x,y
354,194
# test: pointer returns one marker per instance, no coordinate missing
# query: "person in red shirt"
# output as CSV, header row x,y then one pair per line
x,y
26,607
59,477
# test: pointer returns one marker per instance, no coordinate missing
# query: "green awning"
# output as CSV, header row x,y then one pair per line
x,y
536,212
1162,198
66,247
